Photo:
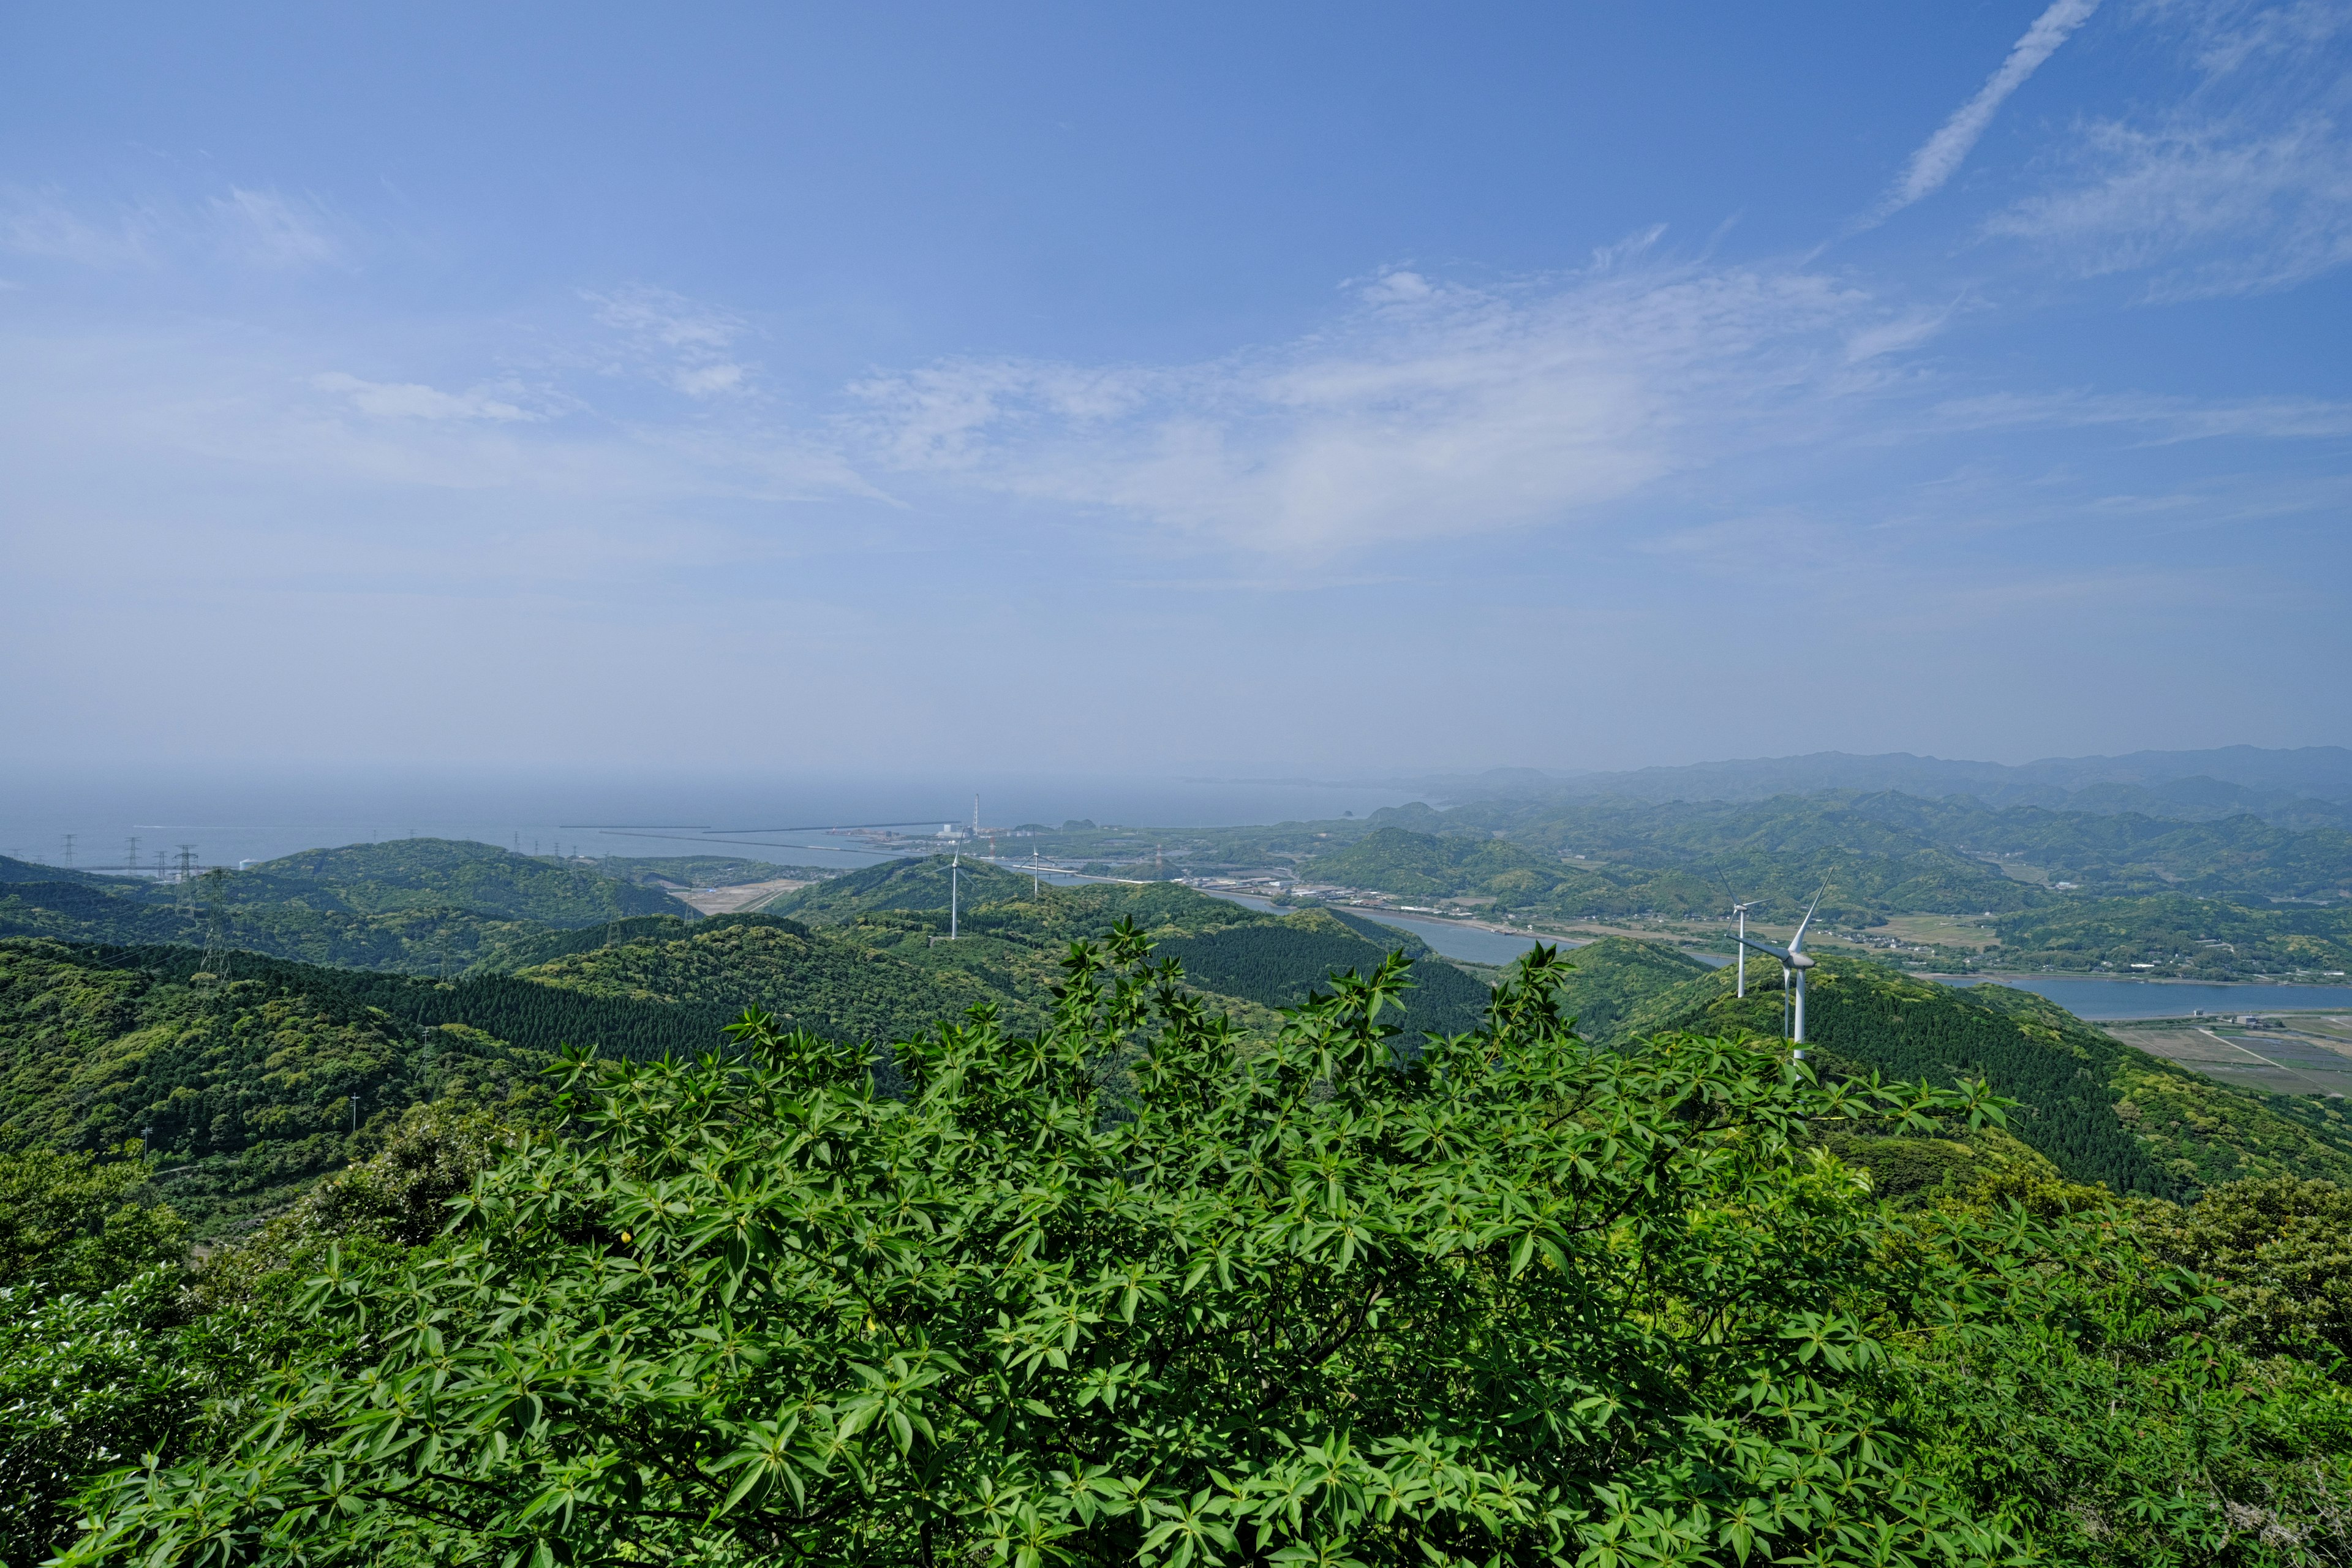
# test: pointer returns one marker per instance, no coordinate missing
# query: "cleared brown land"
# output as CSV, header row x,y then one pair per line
x,y
734,900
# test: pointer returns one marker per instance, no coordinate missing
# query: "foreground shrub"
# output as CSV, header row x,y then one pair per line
x,y
1117,1292
1134,1291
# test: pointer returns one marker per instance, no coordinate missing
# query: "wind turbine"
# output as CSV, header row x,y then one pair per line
x,y
1741,910
1794,957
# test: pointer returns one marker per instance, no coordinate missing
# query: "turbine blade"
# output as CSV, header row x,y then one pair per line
x,y
1799,936
1781,953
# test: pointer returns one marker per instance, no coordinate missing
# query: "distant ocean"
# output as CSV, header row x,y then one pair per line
x,y
231,818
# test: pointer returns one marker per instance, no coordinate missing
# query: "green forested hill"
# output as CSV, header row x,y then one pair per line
x,y
832,984
2098,1108
912,884
245,1086
1277,963
421,873
1423,865
533,944
2184,936
1868,871
1882,853
1015,932
419,906
14,870
243,1061
429,940
1613,976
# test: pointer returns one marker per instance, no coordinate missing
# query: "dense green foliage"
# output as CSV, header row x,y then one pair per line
x,y
166,1361
87,1383
534,945
1137,1286
832,985
1279,964
1301,1299
2279,1253
245,1067
1615,975
2097,1108
1122,1291
245,1084
72,1222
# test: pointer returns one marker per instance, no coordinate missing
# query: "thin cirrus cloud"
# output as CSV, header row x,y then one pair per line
x,y
2163,420
412,400
684,345
2241,187
2208,209
248,228
1430,411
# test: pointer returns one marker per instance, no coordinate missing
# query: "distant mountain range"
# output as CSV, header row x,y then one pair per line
x,y
2312,782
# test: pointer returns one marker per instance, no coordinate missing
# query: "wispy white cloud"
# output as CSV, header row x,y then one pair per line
x,y
248,227
2164,418
2212,207
413,400
2241,185
684,345
269,230
42,225
1432,411
1907,329
1941,156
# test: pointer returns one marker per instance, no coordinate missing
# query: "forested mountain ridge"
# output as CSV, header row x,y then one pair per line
x,y
244,1087
703,870
249,1066
432,941
1015,930
418,906
2183,937
414,873
2235,898
2229,777
2099,1110
830,982
1868,874
1609,979
1896,849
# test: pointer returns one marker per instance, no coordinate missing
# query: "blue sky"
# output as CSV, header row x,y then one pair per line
x,y
1314,387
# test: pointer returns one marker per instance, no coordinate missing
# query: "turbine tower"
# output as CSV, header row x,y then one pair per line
x,y
1741,910
1793,958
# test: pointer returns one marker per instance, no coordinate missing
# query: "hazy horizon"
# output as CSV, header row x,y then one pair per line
x,y
247,812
